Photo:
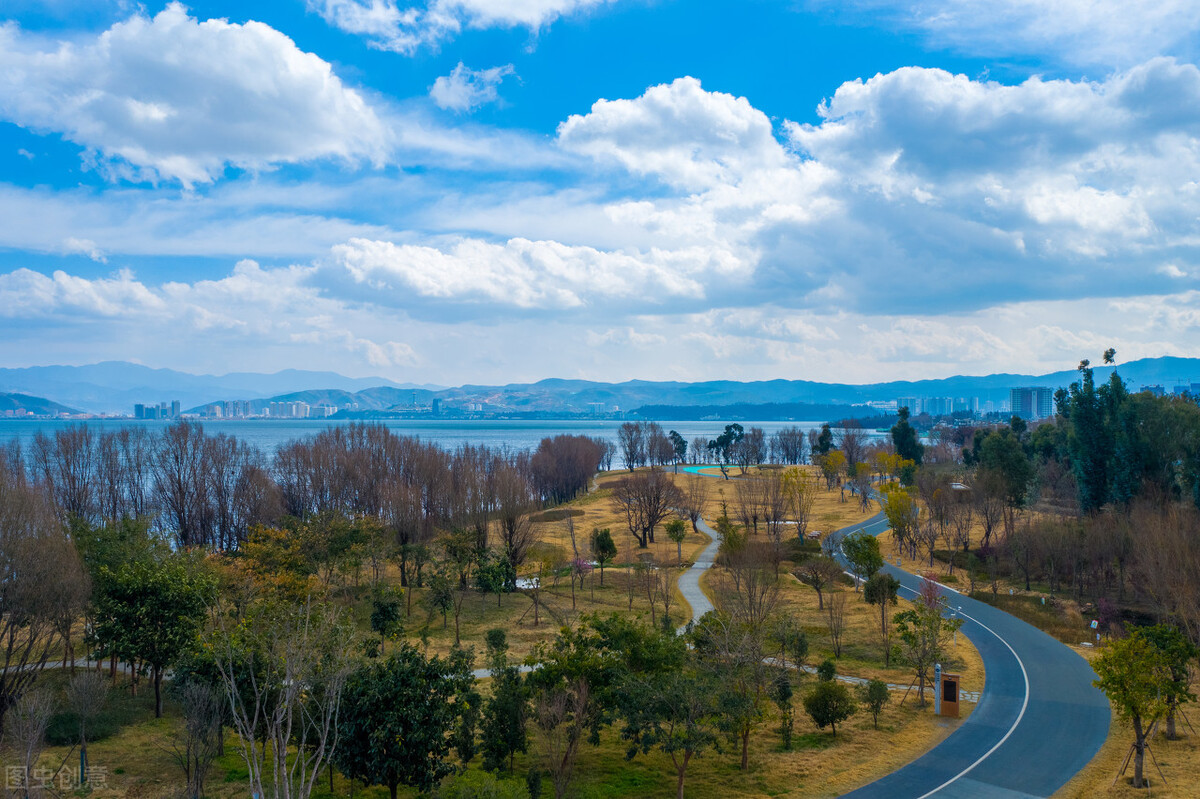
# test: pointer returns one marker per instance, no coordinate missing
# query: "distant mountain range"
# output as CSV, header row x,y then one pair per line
x,y
114,387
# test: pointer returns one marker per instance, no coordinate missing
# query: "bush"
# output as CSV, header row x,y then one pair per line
x,y
533,782
827,670
829,703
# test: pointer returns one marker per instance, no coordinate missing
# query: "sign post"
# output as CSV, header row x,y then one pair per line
x,y
937,691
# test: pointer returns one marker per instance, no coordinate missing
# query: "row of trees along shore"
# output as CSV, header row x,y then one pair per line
x,y
199,555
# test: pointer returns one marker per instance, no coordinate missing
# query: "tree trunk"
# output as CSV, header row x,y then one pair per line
x,y
682,774
157,692
1139,752
1171,722
745,747
392,789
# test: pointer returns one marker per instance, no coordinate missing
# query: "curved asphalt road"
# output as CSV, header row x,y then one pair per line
x,y
1038,722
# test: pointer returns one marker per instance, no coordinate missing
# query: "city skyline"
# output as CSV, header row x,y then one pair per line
x,y
490,192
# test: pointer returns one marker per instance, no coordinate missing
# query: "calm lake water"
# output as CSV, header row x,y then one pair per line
x,y
268,434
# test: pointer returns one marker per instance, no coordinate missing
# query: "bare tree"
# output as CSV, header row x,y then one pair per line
x,y
820,573
694,499
196,744
27,721
987,491
774,504
562,714
748,492
514,503
698,450
178,465
750,581
631,440
835,620
66,466
86,693
43,582
282,671
852,441
800,493
644,500
789,446
659,449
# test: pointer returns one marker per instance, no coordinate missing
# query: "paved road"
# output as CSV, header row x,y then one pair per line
x,y
1038,722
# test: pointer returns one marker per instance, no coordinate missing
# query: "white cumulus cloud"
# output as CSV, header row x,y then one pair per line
x,y
172,97
1106,33
528,274
388,26
466,89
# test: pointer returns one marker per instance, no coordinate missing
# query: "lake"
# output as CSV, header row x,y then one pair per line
x,y
269,434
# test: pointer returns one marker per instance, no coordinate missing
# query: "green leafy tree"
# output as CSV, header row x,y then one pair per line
x,y
874,694
826,670
491,576
677,532
824,441
781,695
441,595
924,633
902,513
152,612
881,590
386,616
904,437
506,712
828,703
724,445
1135,675
680,446
674,712
1178,653
604,549
397,718
862,553
1002,454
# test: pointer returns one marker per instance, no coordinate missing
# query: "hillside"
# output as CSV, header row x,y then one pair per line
x,y
38,406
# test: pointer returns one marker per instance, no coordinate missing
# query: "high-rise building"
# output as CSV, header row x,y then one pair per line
x,y
1031,403
139,411
175,409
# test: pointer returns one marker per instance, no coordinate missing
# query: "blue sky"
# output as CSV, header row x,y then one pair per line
x,y
488,191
